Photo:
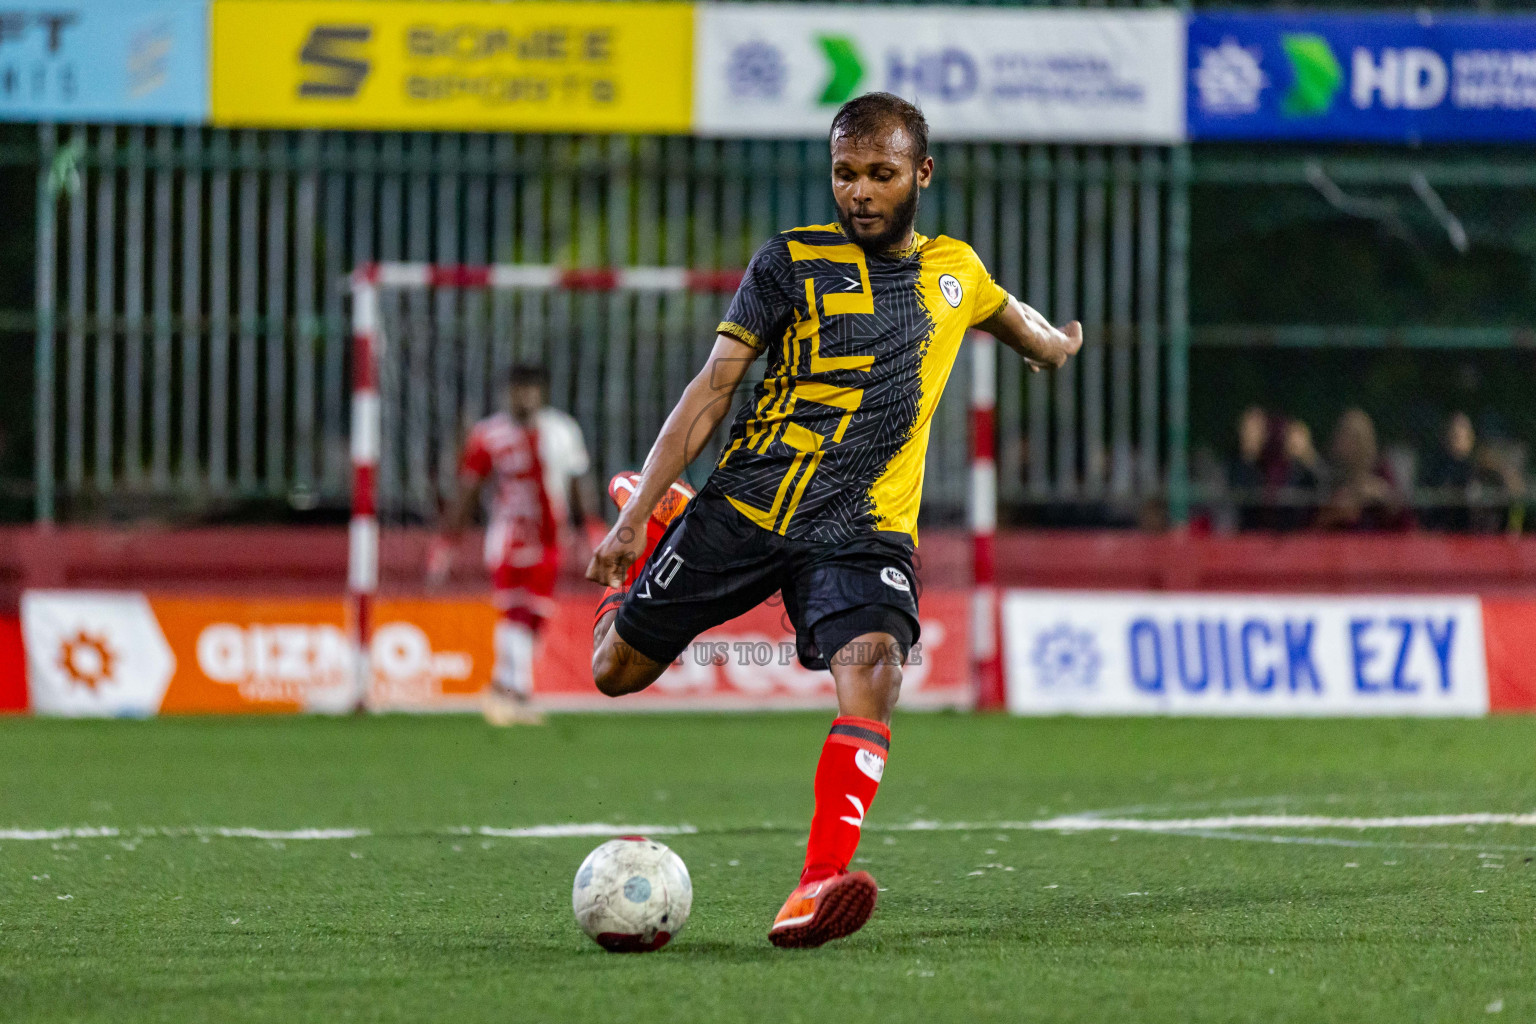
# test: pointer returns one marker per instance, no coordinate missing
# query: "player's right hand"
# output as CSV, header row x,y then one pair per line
x,y
619,550
1069,340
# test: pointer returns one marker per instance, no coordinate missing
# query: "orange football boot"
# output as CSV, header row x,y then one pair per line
x,y
818,912
622,487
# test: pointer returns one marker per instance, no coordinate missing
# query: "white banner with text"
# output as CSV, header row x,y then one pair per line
x,y
977,73
1090,653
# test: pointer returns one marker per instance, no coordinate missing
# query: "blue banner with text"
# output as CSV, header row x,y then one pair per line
x,y
1397,78
104,60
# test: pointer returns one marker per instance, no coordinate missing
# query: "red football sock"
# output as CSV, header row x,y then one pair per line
x,y
847,776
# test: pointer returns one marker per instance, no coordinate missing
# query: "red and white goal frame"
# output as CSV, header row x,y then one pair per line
x,y
368,348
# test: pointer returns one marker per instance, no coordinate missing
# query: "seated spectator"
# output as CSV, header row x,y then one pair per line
x,y
1274,475
1497,494
1364,496
1246,472
1304,477
1449,475
1248,475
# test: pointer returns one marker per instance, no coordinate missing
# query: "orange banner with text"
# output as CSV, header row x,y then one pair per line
x,y
95,653
112,653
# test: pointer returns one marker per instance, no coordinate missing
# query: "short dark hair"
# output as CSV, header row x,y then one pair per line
x,y
528,375
869,117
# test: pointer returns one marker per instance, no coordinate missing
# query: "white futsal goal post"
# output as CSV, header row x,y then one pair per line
x,y
378,354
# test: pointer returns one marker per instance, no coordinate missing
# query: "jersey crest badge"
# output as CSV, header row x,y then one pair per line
x,y
950,286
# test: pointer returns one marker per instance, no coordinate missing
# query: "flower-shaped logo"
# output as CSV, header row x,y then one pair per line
x,y
1229,78
1066,658
757,71
86,659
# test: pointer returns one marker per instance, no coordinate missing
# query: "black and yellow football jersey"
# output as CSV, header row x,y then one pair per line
x,y
860,346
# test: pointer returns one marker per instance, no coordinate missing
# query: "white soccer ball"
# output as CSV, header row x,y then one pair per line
x,y
632,894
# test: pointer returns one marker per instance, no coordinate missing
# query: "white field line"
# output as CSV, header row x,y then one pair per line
x,y
1390,844
1209,827
585,829
24,834
1088,823
28,834
296,833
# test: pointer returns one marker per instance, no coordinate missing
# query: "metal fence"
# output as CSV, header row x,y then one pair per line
x,y
192,342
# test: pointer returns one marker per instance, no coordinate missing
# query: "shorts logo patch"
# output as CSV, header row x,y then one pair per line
x,y
895,579
872,765
950,286
667,568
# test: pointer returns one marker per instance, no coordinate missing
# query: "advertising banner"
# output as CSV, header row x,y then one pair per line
x,y
135,60
116,653
536,66
1404,78
1213,654
128,654
978,73
122,653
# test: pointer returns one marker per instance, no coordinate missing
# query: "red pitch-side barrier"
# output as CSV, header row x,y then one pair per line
x,y
281,564
13,677
1509,638
312,561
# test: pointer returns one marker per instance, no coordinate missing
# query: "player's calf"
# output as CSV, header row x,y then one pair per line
x,y
618,668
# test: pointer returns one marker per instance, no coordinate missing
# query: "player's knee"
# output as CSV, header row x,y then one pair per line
x,y
884,678
869,691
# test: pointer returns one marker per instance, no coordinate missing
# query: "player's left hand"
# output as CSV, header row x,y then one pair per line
x,y
614,555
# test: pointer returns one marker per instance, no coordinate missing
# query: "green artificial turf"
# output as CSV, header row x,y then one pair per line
x,y
418,922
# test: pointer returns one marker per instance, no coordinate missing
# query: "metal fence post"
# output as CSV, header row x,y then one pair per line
x,y
1178,336
47,246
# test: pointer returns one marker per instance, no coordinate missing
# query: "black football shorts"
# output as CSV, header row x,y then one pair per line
x,y
713,564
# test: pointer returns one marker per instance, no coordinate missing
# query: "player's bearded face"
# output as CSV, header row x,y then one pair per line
x,y
877,189
878,231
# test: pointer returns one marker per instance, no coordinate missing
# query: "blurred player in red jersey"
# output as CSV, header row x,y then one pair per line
x,y
535,462
815,495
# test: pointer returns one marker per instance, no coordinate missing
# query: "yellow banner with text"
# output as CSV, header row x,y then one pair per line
x,y
535,66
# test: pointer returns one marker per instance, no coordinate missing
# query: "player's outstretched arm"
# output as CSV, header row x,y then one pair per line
x,y
688,428
1031,335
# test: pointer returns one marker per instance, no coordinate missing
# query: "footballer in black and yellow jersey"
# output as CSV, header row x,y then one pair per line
x,y
815,494
859,346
